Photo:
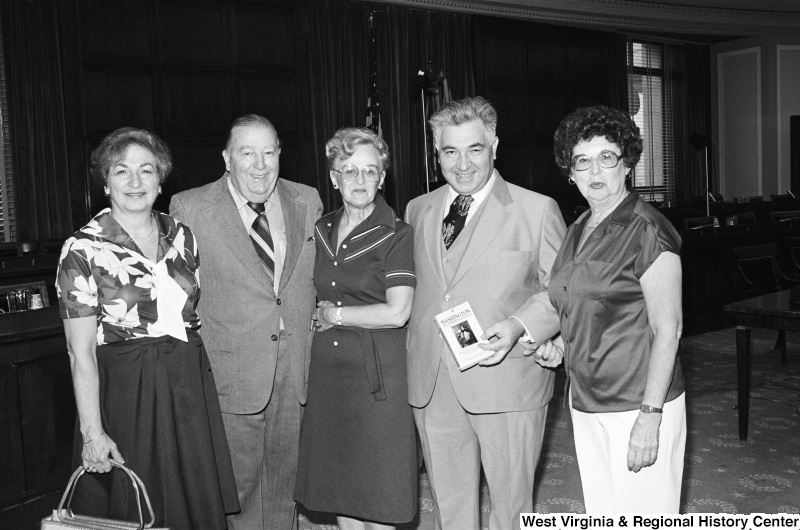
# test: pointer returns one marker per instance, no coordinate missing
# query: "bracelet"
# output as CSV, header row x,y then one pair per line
x,y
649,409
339,316
93,439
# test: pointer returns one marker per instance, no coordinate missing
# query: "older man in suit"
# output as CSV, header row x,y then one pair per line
x,y
484,241
254,231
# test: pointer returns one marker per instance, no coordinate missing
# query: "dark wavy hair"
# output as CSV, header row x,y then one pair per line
x,y
586,123
114,146
345,142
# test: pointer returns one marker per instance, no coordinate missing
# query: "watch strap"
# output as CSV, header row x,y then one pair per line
x,y
649,409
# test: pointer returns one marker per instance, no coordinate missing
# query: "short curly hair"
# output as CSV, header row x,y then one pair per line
x,y
586,123
345,142
114,146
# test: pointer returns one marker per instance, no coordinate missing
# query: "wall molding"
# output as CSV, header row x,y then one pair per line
x,y
784,173
722,130
627,15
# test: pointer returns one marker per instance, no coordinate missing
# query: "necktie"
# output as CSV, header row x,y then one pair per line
x,y
262,239
453,224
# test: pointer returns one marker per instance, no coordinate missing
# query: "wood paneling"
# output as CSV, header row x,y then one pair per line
x,y
122,28
113,98
193,34
274,96
196,103
263,37
185,69
535,75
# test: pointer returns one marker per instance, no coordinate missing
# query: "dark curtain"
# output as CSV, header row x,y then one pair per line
x,y
36,116
616,75
407,39
698,121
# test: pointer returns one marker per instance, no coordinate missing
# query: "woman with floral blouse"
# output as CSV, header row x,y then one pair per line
x,y
127,287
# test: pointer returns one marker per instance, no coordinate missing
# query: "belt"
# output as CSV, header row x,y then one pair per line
x,y
372,361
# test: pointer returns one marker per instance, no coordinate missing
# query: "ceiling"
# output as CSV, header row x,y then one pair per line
x,y
704,21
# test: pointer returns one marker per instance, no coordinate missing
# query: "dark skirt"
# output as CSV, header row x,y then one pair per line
x,y
158,402
357,444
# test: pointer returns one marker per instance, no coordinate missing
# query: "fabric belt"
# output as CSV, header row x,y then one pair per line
x,y
161,347
372,361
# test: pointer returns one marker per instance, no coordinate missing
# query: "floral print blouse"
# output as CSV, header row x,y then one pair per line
x,y
103,272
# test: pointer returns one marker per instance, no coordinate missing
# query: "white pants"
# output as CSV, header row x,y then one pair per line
x,y
601,441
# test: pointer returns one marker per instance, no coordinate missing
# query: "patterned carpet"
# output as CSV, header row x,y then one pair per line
x,y
721,474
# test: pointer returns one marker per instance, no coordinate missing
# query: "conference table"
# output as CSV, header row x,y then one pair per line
x,y
771,311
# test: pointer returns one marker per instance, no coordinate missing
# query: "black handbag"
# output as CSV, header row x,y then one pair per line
x,y
63,518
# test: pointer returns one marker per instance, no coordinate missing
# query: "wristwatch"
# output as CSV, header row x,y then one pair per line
x,y
649,409
338,316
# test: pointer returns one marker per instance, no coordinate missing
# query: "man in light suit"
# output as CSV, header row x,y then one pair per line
x,y
255,313
498,260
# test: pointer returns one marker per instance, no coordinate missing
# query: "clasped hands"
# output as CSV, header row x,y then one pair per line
x,y
321,319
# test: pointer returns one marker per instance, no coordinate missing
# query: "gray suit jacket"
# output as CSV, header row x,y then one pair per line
x,y
238,308
504,258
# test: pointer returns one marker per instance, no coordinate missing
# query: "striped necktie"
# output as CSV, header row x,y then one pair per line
x,y
262,239
456,219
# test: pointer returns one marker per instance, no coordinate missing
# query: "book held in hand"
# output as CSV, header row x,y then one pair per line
x,y
462,331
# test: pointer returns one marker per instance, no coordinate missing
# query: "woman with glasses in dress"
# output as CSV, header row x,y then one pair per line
x,y
616,284
357,445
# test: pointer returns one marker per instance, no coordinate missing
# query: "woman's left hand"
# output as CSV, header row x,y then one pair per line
x,y
324,315
643,445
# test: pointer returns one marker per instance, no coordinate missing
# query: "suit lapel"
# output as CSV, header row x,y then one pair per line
x,y
233,232
489,221
294,217
432,230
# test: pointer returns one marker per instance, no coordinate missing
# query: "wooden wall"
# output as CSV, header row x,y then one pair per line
x,y
535,75
185,69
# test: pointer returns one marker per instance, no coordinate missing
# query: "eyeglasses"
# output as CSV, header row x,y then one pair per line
x,y
350,172
606,159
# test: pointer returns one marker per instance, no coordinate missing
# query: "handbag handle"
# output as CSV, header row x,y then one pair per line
x,y
135,480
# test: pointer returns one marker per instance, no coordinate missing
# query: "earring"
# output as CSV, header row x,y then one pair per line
x,y
335,187
159,190
571,180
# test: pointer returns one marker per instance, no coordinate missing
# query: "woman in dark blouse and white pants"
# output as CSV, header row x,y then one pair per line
x,y
616,284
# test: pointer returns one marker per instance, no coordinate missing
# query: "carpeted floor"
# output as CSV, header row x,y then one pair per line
x,y
721,474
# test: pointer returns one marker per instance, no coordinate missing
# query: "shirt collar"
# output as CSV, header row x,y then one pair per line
x,y
241,202
382,215
623,213
104,227
479,196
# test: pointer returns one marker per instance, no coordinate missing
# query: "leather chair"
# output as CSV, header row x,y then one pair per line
x,y
761,273
695,223
784,215
746,218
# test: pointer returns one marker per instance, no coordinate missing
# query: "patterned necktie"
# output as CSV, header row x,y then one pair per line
x,y
262,239
453,224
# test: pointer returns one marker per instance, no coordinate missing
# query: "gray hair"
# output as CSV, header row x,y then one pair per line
x,y
250,120
463,111
345,141
114,146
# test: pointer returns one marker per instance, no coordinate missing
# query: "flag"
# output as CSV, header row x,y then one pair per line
x,y
373,120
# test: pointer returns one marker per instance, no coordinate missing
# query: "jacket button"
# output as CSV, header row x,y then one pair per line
x,y
447,298
274,338
278,301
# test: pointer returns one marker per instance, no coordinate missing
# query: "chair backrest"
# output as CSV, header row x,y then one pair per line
x,y
9,250
746,218
758,269
28,247
784,215
52,246
692,223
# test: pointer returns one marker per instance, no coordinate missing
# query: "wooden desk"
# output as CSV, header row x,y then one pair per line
x,y
771,311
